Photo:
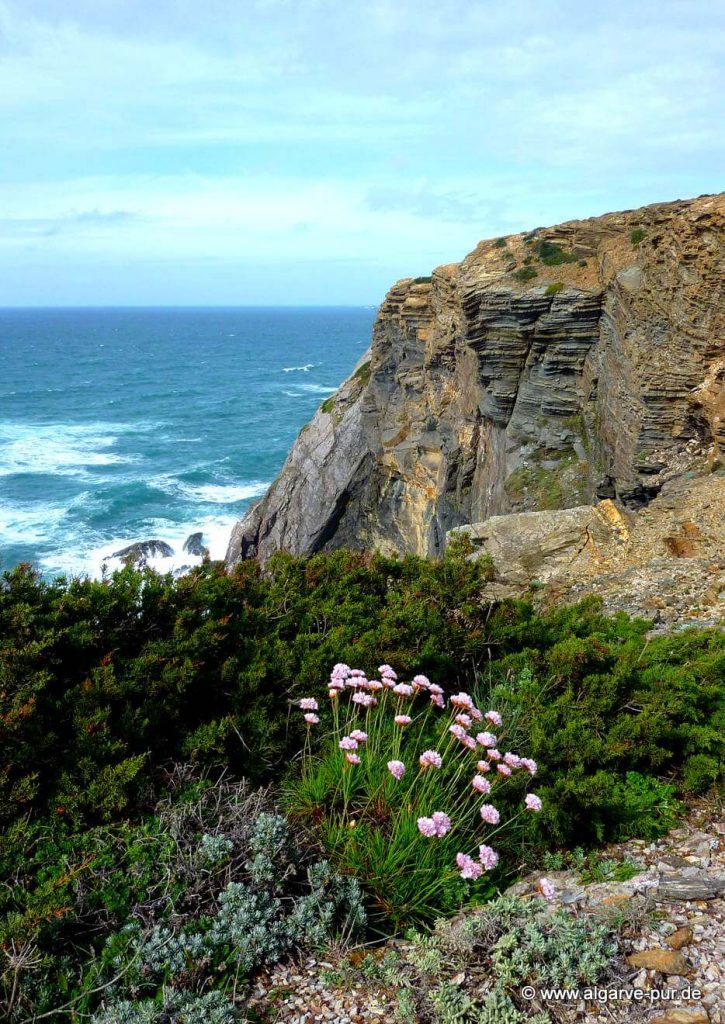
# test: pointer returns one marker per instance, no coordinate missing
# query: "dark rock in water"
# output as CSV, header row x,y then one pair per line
x,y
194,545
143,549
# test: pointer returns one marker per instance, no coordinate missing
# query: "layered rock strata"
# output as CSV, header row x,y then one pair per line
x,y
551,369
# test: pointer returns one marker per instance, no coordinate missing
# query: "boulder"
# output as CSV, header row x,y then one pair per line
x,y
142,550
542,546
194,545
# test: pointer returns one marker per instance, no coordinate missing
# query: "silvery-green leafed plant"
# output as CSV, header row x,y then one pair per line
x,y
411,791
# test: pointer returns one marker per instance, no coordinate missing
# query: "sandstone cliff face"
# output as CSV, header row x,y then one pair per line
x,y
547,370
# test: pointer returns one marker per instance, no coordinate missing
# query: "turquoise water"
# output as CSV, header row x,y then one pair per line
x,y
118,425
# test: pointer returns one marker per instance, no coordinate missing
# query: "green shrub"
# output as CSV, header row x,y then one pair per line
x,y
500,243
210,888
637,235
554,289
552,255
526,274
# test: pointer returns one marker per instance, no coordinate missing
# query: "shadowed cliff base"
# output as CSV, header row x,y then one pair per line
x,y
548,370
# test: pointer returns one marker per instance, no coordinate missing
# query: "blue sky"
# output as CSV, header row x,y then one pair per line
x,y
313,151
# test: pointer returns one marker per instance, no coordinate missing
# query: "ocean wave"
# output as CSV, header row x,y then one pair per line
x,y
317,389
224,494
302,369
61,449
96,557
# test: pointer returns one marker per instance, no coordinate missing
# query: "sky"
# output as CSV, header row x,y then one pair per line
x,y
285,152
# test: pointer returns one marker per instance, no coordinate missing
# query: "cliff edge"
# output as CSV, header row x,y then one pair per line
x,y
549,369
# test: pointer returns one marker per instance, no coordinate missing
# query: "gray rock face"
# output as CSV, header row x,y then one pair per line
x,y
484,395
144,549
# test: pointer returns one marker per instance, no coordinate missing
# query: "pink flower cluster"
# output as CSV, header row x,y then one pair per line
x,y
396,769
435,826
430,759
472,869
309,705
492,765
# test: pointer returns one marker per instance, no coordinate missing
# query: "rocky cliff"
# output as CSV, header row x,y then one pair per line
x,y
550,369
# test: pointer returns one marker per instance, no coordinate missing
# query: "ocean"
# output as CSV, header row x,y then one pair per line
x,y
120,425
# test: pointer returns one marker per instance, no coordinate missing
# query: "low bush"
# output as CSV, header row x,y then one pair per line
x,y
524,274
637,235
134,918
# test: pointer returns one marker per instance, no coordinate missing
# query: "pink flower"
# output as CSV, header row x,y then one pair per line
x,y
388,682
396,769
421,682
366,700
437,700
468,741
494,755
486,739
490,815
475,714
337,684
311,719
494,718
483,766
309,704
340,671
512,760
375,685
430,759
442,822
533,803
403,689
470,869
546,889
487,857
427,827
386,670
358,672
482,785
464,720
359,735
347,743
352,758
437,690
457,730
530,766
503,769
403,720
461,700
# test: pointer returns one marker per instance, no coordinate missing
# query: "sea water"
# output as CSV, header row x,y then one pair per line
x,y
120,425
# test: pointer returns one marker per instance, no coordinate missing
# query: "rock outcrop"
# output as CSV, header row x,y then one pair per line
x,y
547,370
136,554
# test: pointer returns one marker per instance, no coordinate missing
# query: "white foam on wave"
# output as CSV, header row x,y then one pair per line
x,y
301,369
60,449
97,558
21,524
213,494
318,389
224,494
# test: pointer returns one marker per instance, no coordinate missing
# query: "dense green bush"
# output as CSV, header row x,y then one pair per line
x,y
102,682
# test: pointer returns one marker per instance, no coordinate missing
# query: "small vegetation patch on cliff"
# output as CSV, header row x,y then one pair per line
x,y
552,255
526,274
